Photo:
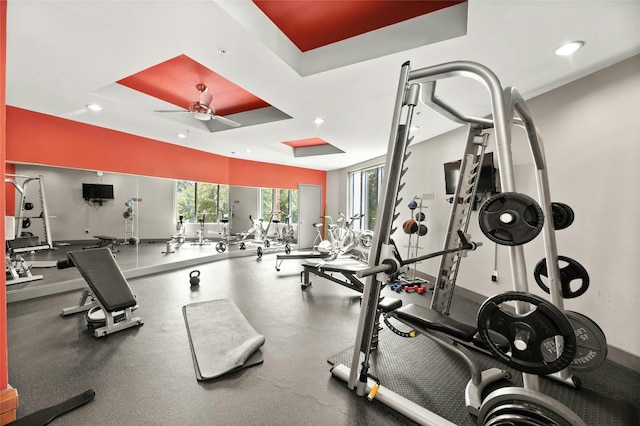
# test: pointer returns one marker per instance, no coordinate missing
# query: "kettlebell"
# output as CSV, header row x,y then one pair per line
x,y
194,277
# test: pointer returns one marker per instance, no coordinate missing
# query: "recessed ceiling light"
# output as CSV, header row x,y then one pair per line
x,y
94,107
569,48
248,150
318,120
182,134
414,128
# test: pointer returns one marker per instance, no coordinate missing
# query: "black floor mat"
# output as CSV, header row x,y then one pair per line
x,y
429,375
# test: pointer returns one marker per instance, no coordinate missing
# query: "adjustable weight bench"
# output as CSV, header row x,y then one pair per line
x,y
108,290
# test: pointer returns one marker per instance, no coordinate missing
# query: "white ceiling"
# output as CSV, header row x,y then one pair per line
x,y
63,55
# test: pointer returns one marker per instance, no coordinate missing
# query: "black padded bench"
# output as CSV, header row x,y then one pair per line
x,y
108,288
106,241
427,318
433,320
436,326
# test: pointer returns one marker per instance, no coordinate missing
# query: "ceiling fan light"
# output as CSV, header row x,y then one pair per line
x,y
202,116
205,98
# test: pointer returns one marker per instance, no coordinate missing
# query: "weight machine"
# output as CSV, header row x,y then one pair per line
x,y
385,264
28,212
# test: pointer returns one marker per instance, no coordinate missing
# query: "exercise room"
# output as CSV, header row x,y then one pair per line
x,y
264,212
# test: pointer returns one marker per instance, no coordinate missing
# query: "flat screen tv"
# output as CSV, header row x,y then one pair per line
x,y
487,183
97,191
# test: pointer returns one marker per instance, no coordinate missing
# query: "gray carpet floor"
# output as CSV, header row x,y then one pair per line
x,y
145,375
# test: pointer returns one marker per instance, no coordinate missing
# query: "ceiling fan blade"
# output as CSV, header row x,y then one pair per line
x,y
171,110
226,121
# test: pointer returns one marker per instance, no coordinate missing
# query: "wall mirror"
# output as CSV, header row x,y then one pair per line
x,y
136,217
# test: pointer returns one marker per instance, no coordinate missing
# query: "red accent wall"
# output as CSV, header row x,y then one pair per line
x,y
4,380
58,142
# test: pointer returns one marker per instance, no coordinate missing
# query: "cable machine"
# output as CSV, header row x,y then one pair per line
x,y
508,109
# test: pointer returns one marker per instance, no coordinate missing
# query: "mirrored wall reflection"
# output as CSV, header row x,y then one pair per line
x,y
136,216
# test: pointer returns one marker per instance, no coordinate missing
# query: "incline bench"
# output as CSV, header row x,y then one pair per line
x,y
108,290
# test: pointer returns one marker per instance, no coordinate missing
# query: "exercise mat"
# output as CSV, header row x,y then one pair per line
x,y
221,338
422,371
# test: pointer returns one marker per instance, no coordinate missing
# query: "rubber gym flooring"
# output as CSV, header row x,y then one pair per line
x,y
145,375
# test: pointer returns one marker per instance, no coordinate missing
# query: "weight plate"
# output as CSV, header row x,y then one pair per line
x,y
520,406
366,238
526,333
511,218
221,247
574,278
562,216
590,341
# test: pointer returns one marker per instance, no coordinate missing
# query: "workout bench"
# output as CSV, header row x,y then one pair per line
x,y
345,266
108,290
105,241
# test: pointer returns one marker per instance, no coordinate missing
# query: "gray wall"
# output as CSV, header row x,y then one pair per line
x,y
591,136
72,219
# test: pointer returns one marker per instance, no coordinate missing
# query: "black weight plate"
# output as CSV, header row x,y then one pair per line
x,y
543,322
562,216
510,218
519,406
569,274
590,340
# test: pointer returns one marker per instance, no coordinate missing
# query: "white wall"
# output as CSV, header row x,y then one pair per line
x,y
591,133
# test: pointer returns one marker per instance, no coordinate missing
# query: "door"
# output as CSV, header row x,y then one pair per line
x,y
309,212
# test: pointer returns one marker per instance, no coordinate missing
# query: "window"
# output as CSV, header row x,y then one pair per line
x,y
197,200
364,191
282,202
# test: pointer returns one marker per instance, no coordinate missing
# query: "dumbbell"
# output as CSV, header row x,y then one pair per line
x,y
418,289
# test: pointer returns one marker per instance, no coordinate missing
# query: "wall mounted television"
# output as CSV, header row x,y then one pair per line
x,y
488,178
97,191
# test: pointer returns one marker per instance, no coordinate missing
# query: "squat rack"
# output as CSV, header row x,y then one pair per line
x,y
508,109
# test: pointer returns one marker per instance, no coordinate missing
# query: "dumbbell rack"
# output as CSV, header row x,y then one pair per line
x,y
131,223
410,277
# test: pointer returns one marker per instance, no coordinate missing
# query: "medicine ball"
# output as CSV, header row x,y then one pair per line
x,y
412,205
128,203
28,206
410,226
423,230
420,216
126,215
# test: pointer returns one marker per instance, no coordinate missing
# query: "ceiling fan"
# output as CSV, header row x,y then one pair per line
x,y
203,110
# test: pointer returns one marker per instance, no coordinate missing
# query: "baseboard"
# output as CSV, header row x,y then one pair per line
x,y
8,405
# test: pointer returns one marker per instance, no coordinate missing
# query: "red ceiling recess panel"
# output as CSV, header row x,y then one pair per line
x,y
310,24
175,81
301,143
